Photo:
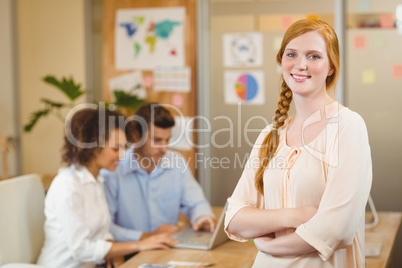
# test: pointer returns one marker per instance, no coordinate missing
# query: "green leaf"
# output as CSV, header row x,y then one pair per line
x,y
35,116
52,103
67,86
126,100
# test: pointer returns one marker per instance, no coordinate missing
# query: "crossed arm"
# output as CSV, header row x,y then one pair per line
x,y
245,225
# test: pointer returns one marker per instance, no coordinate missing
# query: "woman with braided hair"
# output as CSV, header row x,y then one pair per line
x,y
303,192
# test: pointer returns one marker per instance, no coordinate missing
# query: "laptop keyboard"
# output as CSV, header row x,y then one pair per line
x,y
189,236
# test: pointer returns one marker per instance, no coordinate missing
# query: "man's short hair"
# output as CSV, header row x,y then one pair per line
x,y
155,114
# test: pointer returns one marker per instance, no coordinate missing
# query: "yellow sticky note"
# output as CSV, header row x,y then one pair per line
x,y
379,41
277,43
279,69
368,77
313,16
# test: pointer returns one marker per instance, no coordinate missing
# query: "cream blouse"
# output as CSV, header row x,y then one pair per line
x,y
332,172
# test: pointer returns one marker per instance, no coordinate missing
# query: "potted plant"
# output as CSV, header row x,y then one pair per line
x,y
125,102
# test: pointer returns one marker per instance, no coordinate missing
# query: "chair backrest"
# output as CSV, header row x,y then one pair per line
x,y
21,219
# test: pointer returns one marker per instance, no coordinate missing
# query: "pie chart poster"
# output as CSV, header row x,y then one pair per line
x,y
246,87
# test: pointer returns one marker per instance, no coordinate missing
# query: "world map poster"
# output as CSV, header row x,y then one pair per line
x,y
149,37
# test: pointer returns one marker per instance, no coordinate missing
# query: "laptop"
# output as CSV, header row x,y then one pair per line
x,y
204,240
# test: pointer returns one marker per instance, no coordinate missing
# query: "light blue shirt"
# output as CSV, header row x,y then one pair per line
x,y
141,202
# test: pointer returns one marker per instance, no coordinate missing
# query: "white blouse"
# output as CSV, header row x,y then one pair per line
x,y
77,221
333,172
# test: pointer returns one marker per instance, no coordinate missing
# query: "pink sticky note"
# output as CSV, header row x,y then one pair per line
x,y
397,71
148,81
286,21
387,21
178,100
359,41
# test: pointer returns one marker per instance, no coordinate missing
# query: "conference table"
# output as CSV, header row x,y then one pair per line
x,y
241,255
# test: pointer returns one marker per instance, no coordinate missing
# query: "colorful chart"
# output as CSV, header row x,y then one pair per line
x,y
246,87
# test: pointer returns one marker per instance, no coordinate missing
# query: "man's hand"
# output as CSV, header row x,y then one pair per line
x,y
204,223
164,228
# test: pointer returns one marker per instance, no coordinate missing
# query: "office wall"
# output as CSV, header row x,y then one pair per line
x,y
8,127
50,41
378,101
247,16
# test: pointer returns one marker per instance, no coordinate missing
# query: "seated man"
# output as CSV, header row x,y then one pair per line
x,y
152,184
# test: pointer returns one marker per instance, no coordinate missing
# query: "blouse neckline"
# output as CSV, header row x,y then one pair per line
x,y
336,115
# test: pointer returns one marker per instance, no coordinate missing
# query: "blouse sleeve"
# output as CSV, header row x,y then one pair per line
x,y
245,193
348,183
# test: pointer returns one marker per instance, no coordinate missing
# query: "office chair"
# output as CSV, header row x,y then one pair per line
x,y
22,218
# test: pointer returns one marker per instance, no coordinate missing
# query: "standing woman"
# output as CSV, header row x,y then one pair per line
x,y
77,218
303,192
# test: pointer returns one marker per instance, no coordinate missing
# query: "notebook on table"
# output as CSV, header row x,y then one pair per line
x,y
205,240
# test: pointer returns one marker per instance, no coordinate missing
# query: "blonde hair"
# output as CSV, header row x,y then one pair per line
x,y
271,141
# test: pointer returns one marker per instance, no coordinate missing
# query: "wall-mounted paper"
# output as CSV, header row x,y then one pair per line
x,y
182,135
242,49
313,16
387,21
128,83
364,5
277,43
279,69
276,22
379,41
286,21
149,37
232,23
178,100
368,77
397,71
148,81
246,87
359,41
173,79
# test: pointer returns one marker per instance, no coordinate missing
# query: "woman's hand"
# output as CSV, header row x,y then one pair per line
x,y
164,228
262,242
159,241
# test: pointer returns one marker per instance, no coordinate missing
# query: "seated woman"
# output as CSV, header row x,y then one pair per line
x,y
77,218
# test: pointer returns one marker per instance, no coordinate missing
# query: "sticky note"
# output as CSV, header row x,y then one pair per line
x,y
312,16
148,81
277,43
286,21
364,5
279,69
368,77
397,71
178,100
387,21
379,41
359,41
